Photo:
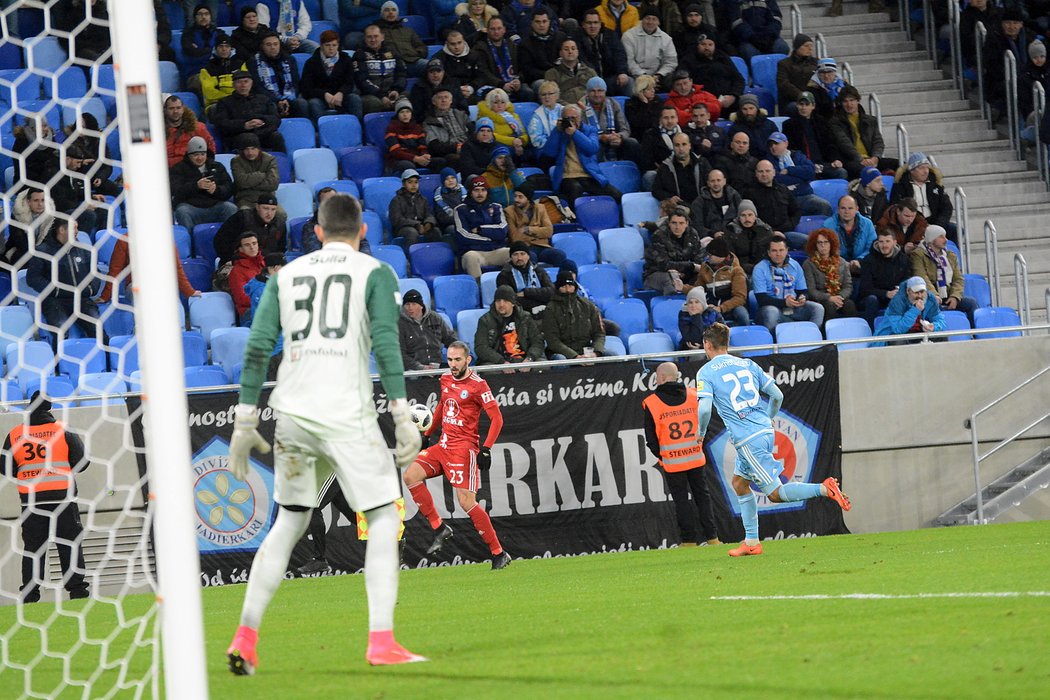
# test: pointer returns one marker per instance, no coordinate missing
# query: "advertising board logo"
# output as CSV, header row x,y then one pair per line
x,y
232,515
795,446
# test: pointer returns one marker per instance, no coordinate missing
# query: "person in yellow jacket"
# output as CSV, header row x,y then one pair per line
x,y
217,77
671,422
507,125
618,15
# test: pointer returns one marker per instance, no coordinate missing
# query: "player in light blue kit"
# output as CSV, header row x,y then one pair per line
x,y
734,385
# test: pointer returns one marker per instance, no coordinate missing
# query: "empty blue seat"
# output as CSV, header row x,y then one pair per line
x,y
454,293
621,246
296,198
199,272
338,131
29,359
295,233
204,241
10,392
375,128
104,384
956,321
430,260
313,165
16,326
845,328
226,161
10,55
67,84
525,111
428,183
394,256
170,80
798,332
361,162
579,246
996,317
741,68
407,283
418,24
377,193
117,320
977,286
597,213
93,106
227,347
124,355
623,175
467,325
764,71
104,85
284,166
614,346
298,133
79,355
830,190
631,315
345,186
373,224
320,26
45,54
809,223
212,310
748,336
201,377
488,288
665,318
647,343
194,349
639,207
603,282
19,86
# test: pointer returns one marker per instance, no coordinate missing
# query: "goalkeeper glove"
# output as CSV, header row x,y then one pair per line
x,y
407,439
245,439
484,458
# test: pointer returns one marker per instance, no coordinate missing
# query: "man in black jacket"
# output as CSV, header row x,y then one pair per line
x,y
264,220
330,91
200,188
244,112
538,52
531,284
881,272
423,333
774,202
681,177
63,275
737,162
379,72
713,70
602,50
810,134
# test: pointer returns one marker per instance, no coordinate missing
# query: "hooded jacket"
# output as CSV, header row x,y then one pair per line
x,y
879,273
410,209
800,173
271,236
649,54
488,339
870,136
915,233
422,340
940,202
571,323
871,204
726,285
538,222
217,77
683,104
508,125
572,82
672,394
244,269
69,267
403,39
41,415
462,67
901,315
618,23
252,178
758,130
178,137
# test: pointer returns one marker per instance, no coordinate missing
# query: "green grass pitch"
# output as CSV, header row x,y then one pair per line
x,y
650,625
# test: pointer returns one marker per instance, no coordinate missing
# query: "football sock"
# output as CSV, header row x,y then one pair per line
x,y
483,525
798,491
381,566
425,502
270,563
749,514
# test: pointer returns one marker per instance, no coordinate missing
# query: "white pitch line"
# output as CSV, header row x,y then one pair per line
x,y
888,596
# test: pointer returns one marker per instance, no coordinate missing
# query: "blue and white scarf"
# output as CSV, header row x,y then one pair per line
x,y
520,282
280,82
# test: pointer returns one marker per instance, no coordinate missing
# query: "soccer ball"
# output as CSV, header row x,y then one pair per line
x,y
421,416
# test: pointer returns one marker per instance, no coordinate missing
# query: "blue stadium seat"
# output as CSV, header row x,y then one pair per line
x,y
798,332
194,349
977,286
747,336
646,343
226,161
295,233
597,213
844,328
778,122
579,246
212,310
742,69
16,326
320,26
488,288
170,80
124,355
433,50
10,56
44,53
19,86
204,241
603,282
764,71
79,355
373,227
830,190
377,193
956,321
67,84
525,111
298,133
227,347
10,391
467,325
394,256
29,359
639,207
338,131
407,283
116,320
630,314
665,318
183,243
201,377
284,166
199,272
300,61
428,183
102,384
104,85
419,25
375,128
623,175
621,246
313,165
454,293
809,223
296,198
431,260
614,346
996,317
360,163
93,106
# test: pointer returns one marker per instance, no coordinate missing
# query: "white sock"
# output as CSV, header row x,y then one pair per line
x,y
271,562
382,566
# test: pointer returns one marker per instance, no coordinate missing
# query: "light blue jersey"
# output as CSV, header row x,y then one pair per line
x,y
735,384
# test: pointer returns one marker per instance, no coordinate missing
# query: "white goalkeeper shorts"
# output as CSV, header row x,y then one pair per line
x,y
303,462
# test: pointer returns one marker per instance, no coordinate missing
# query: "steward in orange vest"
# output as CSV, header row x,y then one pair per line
x,y
42,457
671,421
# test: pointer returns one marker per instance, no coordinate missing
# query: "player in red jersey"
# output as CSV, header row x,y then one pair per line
x,y
463,396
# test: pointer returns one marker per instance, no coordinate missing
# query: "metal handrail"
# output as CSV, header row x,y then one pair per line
x,y
1046,302
903,149
1013,122
1041,159
1024,304
962,216
902,15
991,260
928,31
847,72
875,108
820,45
980,33
955,44
796,20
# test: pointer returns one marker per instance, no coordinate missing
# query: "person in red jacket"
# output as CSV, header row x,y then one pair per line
x,y
121,259
406,141
684,95
247,263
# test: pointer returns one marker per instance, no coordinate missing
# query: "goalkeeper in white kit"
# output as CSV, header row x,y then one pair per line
x,y
333,307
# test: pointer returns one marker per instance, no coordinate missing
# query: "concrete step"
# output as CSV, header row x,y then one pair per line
x,y
1007,198
888,80
962,166
866,53
855,19
933,133
923,102
934,112
978,181
877,42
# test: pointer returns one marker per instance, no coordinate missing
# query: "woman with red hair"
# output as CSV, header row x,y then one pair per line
x,y
827,275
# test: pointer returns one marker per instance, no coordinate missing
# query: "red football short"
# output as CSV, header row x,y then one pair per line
x,y
460,466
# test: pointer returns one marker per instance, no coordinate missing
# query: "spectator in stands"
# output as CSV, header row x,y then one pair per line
x,y
244,112
602,50
748,236
254,172
406,141
37,150
1011,36
497,59
502,177
775,203
644,108
473,20
529,224
975,11
869,192
672,259
531,285
780,286
881,272
684,95
120,260
682,176
669,13
920,181
354,18
753,121
423,333
247,263
442,13
699,19
857,136
712,70
706,138
276,76
570,73
905,222
449,195
402,39
33,212
248,35
811,134
756,27
476,153
266,221
181,125
508,333
545,118
606,116
828,278
657,145
617,15
379,72
856,233
518,17
481,230
794,73
572,324
433,79
650,50
328,80
574,148
62,274
200,188
462,65
696,315
716,206
446,127
198,43
540,50
825,85
1037,71
254,289
911,311
795,171
737,162
724,283
216,78
411,216
309,240
939,268
292,24
164,50
507,126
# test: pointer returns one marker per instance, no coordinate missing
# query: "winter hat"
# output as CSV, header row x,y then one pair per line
x,y
915,283
800,39
413,296
387,5
806,96
38,403
746,205
445,172
1036,49
519,247
196,145
500,151
867,175
718,248
202,6
565,277
916,159
648,10
273,259
597,83
691,8
222,38
435,64
697,293
827,64
478,181
244,10
933,232
408,173
247,140
749,99
483,123
1011,14
505,292
402,103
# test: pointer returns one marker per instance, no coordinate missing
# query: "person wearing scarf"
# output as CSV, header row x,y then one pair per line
x,y
328,80
939,266
825,84
532,286
828,276
277,76
606,116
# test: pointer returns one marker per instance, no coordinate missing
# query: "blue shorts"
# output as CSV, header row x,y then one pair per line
x,y
755,462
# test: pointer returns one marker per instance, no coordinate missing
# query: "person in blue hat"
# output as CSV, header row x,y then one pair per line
x,y
607,118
